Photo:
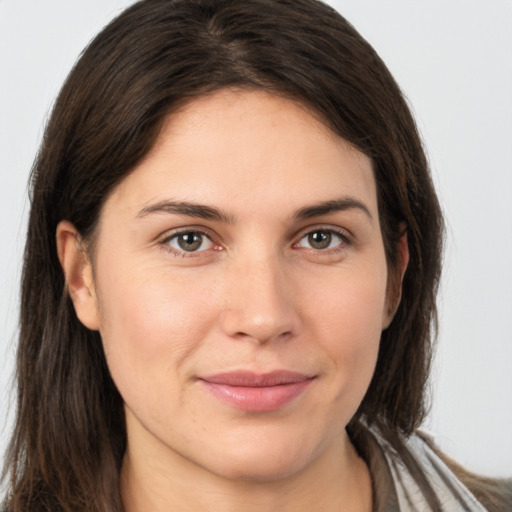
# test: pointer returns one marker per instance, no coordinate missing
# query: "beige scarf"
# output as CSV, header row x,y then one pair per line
x,y
452,494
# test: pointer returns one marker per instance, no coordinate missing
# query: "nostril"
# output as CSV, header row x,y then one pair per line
x,y
259,303
240,324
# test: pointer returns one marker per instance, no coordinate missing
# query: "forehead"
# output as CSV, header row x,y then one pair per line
x,y
247,149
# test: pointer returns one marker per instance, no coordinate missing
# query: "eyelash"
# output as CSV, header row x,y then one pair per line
x,y
346,241
165,243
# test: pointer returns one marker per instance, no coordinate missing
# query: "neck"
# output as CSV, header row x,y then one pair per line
x,y
158,479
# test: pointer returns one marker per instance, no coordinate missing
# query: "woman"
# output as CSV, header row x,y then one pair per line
x,y
230,275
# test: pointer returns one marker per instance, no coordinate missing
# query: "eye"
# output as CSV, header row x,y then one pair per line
x,y
189,241
322,239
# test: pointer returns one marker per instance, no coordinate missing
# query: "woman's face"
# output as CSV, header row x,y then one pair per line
x,y
240,287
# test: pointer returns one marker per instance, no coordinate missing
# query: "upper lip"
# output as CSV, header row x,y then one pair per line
x,y
254,379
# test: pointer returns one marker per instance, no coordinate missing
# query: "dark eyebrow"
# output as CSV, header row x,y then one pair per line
x,y
332,206
200,211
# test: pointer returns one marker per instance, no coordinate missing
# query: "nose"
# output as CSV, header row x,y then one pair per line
x,y
260,303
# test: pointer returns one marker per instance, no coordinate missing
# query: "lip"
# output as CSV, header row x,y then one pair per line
x,y
257,392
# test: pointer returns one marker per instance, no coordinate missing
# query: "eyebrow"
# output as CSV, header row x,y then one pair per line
x,y
206,212
332,206
190,209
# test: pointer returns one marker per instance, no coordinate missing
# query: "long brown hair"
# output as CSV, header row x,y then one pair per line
x,y
69,437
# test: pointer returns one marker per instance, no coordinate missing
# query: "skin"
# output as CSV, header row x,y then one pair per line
x,y
257,294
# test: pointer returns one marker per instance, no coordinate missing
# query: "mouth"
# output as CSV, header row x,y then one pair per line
x,y
257,392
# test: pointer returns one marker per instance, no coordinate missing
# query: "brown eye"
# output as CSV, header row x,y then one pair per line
x,y
321,239
190,241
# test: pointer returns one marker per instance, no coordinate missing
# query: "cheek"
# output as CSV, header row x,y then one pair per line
x,y
347,320
352,306
150,323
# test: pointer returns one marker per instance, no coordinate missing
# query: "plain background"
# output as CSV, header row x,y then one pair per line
x,y
453,59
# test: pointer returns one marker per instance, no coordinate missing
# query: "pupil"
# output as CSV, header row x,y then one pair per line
x,y
320,239
190,241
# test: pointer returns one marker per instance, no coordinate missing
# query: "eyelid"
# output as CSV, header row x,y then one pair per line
x,y
164,239
342,232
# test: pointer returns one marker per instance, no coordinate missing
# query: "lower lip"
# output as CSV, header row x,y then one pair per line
x,y
257,399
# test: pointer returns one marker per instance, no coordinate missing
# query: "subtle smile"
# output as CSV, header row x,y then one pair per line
x,y
254,392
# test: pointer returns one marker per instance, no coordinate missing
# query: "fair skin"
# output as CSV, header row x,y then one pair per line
x,y
283,271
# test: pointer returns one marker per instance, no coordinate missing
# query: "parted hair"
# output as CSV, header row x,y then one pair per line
x,y
69,437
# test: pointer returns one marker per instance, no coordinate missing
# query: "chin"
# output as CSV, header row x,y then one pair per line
x,y
261,461
260,469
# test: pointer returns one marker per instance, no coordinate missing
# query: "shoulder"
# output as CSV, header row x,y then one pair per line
x,y
425,479
495,494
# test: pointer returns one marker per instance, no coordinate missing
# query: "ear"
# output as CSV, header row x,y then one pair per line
x,y
78,274
394,291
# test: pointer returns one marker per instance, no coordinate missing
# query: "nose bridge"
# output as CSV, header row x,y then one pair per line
x,y
259,304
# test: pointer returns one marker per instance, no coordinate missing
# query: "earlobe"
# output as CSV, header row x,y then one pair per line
x,y
78,274
394,292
